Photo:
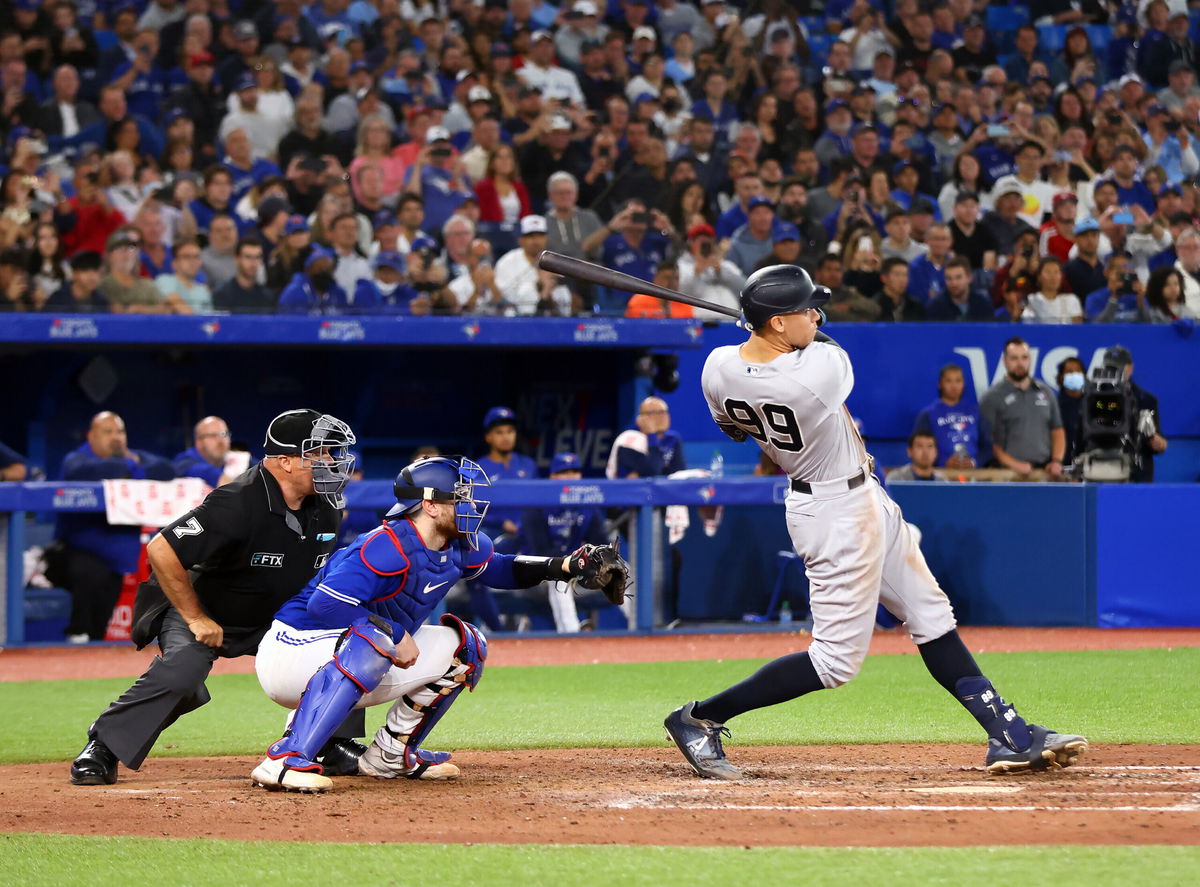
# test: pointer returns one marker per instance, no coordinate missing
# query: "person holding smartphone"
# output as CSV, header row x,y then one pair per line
x,y
706,273
1169,145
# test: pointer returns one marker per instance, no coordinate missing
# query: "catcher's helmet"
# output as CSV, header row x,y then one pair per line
x,y
444,479
779,289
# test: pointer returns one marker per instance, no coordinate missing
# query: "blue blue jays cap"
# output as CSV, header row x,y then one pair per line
x,y
385,217
390,259
246,81
1086,224
28,5
834,105
565,462
901,165
498,416
424,243
759,200
359,65
318,252
1170,189
785,231
294,224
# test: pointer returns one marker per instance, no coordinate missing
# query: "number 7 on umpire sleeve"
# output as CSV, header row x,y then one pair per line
x,y
778,419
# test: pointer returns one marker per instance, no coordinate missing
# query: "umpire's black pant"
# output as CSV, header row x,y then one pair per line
x,y
94,591
171,687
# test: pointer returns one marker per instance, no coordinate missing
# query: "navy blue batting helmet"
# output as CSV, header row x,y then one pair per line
x,y
779,289
444,479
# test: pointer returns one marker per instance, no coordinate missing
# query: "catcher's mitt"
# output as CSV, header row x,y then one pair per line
x,y
600,567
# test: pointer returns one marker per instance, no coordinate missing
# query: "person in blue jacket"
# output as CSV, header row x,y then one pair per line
x,y
388,292
97,556
206,458
560,531
503,525
313,290
355,636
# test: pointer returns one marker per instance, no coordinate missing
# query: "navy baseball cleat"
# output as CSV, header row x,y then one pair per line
x,y
95,765
340,756
1048,751
700,742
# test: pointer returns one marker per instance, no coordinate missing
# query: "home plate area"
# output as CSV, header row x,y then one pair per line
x,y
895,795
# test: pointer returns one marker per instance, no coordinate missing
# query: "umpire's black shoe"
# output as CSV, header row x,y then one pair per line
x,y
96,765
339,756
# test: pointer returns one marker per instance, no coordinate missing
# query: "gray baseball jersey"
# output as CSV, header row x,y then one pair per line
x,y
793,407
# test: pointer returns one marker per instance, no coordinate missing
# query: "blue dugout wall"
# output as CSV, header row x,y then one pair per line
x,y
1007,554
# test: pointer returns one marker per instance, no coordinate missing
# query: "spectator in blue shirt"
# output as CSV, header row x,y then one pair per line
x,y
1117,301
714,106
313,290
388,292
438,178
747,186
208,456
905,177
215,200
1130,187
651,449
960,301
927,273
246,169
955,425
502,524
635,248
97,555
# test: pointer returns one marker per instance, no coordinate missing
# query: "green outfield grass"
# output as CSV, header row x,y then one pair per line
x,y
1147,696
32,860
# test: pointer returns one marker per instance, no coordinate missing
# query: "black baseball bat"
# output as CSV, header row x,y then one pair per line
x,y
569,266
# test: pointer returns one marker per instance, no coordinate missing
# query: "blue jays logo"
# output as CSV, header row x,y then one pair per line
x,y
706,493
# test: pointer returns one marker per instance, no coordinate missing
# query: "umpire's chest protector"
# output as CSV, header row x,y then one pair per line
x,y
248,552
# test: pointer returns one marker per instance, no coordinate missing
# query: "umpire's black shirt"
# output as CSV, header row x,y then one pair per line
x,y
247,552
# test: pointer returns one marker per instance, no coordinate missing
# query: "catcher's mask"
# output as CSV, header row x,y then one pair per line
x,y
323,444
444,479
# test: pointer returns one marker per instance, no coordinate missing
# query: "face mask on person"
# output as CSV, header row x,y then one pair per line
x,y
322,280
386,289
1073,381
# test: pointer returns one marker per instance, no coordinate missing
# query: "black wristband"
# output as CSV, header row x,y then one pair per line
x,y
530,571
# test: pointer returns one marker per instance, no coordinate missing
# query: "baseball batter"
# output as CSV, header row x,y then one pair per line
x,y
786,387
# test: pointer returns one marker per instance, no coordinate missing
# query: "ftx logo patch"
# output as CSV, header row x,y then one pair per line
x,y
266,559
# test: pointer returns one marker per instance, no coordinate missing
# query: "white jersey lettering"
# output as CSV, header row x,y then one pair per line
x,y
793,407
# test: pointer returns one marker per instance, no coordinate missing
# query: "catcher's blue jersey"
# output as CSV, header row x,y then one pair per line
x,y
389,572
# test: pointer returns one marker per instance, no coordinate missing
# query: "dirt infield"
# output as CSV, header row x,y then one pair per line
x,y
104,661
930,795
895,795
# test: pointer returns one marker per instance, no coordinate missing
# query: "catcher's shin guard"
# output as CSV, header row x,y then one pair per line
x,y
396,749
363,657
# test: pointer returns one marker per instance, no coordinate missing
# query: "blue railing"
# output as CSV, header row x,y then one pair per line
x,y
644,495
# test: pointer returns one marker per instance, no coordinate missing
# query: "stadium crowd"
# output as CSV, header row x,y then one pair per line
x,y
925,161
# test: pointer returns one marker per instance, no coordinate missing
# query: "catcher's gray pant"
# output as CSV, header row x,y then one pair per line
x,y
858,551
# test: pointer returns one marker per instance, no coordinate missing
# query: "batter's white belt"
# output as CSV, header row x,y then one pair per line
x,y
826,488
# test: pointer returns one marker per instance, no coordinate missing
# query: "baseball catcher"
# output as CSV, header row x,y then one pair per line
x,y
356,635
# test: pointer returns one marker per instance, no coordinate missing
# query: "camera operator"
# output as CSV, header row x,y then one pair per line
x,y
1122,299
1148,437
